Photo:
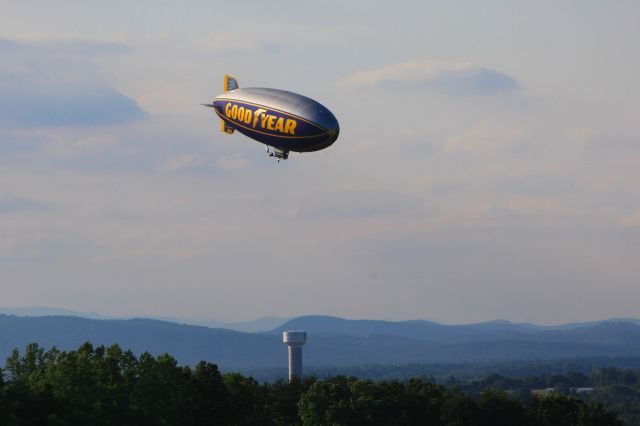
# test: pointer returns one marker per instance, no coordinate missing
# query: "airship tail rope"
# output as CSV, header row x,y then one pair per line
x,y
312,188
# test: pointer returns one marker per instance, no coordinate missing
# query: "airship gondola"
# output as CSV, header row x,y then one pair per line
x,y
283,121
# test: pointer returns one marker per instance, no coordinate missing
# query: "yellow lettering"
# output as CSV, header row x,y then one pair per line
x,y
263,121
280,125
272,118
247,116
290,126
241,114
226,109
234,112
259,112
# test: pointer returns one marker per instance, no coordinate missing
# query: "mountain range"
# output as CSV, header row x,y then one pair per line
x,y
332,342
260,324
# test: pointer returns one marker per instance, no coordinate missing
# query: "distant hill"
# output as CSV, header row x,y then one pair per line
x,y
42,311
415,330
260,324
188,343
332,342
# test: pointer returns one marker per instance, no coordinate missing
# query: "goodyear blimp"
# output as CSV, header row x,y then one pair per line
x,y
283,121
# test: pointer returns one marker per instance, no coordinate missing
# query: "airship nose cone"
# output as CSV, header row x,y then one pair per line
x,y
333,133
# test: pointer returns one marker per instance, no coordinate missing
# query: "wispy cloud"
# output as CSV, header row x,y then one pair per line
x,y
229,44
32,106
233,162
251,40
6,44
184,162
484,137
16,204
451,78
52,82
68,45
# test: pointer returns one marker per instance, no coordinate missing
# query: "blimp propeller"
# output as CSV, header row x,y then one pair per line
x,y
283,121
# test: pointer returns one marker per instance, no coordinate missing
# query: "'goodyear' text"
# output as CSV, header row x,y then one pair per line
x,y
260,119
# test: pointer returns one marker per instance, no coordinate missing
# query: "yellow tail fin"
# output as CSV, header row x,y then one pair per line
x,y
226,127
230,83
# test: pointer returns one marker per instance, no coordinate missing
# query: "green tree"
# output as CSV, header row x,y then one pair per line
x,y
161,392
106,386
210,400
594,414
422,403
247,400
377,403
327,403
282,400
459,410
497,408
554,410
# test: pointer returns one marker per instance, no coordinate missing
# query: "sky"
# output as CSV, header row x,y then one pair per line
x,y
487,164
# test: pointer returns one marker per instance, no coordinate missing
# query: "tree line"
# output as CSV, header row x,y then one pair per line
x,y
616,389
110,386
460,372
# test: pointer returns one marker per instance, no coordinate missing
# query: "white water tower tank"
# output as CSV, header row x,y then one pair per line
x,y
295,340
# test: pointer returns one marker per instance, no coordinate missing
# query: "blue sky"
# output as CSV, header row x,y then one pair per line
x,y
487,165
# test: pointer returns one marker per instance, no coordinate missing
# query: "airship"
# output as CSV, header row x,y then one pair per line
x,y
281,120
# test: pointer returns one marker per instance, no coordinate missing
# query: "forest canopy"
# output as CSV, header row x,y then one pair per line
x,y
108,385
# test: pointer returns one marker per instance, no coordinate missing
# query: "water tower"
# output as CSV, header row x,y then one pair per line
x,y
295,340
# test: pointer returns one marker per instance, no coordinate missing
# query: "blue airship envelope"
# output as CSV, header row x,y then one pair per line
x,y
283,121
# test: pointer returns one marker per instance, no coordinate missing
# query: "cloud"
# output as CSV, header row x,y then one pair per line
x,y
6,44
233,162
53,82
86,47
65,45
184,162
451,78
63,107
484,137
251,39
15,204
631,219
225,44
355,204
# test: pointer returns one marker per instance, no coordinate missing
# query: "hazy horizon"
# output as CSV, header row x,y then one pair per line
x,y
36,311
487,164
